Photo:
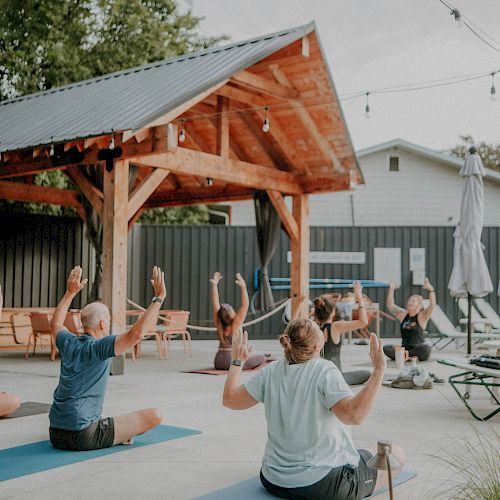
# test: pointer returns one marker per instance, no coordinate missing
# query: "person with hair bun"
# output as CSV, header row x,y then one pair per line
x,y
309,408
324,312
227,321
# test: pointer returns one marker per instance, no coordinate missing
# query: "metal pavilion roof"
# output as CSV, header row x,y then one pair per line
x,y
129,99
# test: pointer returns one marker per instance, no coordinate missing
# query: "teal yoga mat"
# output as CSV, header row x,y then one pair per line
x,y
252,489
40,456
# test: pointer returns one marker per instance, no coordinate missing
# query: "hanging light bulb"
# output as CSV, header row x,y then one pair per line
x,y
51,152
112,141
266,124
493,90
367,107
182,133
458,17
210,181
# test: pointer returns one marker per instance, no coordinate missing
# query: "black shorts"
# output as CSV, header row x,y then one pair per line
x,y
97,435
341,483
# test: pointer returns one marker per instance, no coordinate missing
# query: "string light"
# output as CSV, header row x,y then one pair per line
x,y
210,181
493,90
266,125
458,18
51,152
182,133
112,141
367,107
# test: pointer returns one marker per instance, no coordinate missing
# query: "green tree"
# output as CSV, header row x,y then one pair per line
x,y
48,43
489,153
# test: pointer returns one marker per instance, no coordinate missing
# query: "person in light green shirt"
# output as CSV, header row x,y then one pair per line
x,y
309,409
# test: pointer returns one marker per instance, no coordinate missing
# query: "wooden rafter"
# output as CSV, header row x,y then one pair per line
x,y
91,192
264,85
237,172
286,216
144,190
309,123
241,95
184,198
223,126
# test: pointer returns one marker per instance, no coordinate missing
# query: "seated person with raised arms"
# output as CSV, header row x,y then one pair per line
x,y
308,409
413,321
75,416
324,312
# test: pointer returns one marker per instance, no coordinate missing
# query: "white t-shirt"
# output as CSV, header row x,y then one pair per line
x,y
305,438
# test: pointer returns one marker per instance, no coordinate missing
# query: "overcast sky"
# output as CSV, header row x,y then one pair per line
x,y
378,43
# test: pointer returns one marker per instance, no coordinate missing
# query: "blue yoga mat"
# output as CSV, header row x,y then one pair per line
x,y
252,489
40,456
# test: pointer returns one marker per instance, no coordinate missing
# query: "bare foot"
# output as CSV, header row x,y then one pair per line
x,y
128,442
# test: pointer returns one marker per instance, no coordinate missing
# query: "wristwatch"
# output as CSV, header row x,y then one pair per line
x,y
236,362
157,299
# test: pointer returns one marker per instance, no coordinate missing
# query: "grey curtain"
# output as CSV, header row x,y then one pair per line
x,y
267,225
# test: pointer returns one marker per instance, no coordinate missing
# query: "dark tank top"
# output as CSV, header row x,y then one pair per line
x,y
411,332
331,351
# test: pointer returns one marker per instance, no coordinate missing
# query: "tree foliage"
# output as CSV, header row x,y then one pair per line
x,y
489,153
49,43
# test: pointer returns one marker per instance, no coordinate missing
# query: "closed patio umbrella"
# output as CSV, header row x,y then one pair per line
x,y
470,276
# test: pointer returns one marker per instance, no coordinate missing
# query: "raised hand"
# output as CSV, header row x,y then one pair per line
x,y
158,283
393,285
216,278
427,285
240,281
376,353
240,348
358,289
75,284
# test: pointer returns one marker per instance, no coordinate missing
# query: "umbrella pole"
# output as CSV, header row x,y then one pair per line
x,y
469,325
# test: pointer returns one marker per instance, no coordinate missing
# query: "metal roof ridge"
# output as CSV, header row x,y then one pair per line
x,y
307,28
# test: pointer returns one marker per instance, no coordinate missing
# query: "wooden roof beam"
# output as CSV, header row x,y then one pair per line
x,y
241,95
286,216
144,190
222,126
190,162
88,189
265,86
178,199
309,123
40,194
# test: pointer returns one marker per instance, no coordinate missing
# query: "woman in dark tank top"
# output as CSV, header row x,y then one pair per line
x,y
413,320
324,311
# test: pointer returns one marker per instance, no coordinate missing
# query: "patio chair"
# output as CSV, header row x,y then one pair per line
x,y
175,325
448,331
479,323
136,351
40,324
489,313
73,322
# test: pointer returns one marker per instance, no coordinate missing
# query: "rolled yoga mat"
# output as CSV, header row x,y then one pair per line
x,y
252,489
30,408
40,456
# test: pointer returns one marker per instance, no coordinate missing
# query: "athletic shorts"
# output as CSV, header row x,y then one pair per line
x,y
99,434
341,483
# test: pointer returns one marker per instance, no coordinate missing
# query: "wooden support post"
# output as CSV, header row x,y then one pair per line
x,y
300,258
115,231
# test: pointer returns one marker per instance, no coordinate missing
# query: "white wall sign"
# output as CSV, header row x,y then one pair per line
x,y
417,259
387,264
333,257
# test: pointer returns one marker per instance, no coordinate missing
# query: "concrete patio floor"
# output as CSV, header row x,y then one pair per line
x,y
231,444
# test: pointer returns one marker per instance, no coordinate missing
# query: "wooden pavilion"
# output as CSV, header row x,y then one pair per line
x,y
193,130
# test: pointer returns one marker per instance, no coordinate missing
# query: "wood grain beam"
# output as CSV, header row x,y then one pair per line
x,y
223,126
240,95
190,162
264,85
144,190
300,258
185,198
286,216
88,189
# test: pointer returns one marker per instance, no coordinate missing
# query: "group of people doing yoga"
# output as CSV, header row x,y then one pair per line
x,y
309,406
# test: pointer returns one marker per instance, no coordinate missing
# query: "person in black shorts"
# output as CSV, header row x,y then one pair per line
x,y
413,320
75,415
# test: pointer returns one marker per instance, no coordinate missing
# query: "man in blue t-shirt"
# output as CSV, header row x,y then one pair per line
x,y
75,416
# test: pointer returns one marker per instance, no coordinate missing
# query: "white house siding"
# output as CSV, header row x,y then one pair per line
x,y
424,192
